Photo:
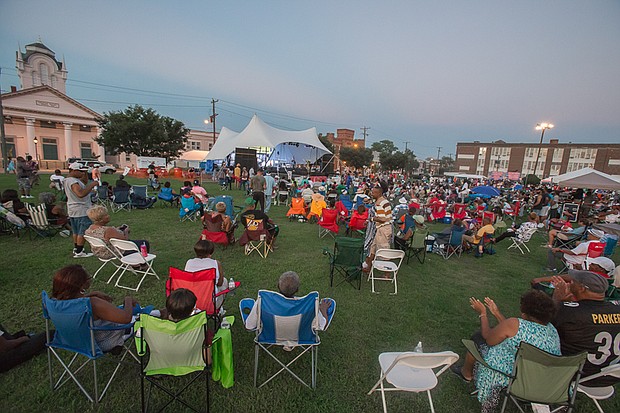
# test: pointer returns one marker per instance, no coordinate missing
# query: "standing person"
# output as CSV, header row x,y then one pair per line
x,y
96,174
23,177
11,166
151,172
78,190
245,177
34,167
237,175
258,184
380,235
270,185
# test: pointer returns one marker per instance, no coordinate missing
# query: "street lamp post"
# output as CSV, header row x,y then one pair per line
x,y
36,149
541,127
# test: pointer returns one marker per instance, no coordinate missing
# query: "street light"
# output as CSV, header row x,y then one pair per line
x,y
36,149
542,127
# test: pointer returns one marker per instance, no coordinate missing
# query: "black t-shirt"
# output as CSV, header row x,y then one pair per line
x,y
592,326
254,214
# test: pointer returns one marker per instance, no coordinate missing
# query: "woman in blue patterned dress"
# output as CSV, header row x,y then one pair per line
x,y
498,345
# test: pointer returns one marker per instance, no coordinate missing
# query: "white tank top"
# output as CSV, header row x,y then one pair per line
x,y
199,264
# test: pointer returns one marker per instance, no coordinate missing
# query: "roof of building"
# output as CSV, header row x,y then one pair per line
x,y
52,90
39,47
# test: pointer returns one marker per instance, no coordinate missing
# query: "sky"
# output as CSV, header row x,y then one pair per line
x,y
429,73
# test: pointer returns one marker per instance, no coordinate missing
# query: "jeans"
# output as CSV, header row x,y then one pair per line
x,y
23,352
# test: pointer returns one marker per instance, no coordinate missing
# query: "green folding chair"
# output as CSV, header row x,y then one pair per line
x,y
417,246
172,349
346,260
539,377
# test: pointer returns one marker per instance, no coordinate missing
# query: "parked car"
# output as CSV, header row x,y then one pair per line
x,y
105,168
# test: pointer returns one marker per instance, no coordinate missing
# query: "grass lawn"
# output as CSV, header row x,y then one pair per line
x,y
431,306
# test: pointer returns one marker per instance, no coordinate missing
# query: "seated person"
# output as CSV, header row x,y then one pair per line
x,y
186,185
121,183
189,203
288,286
583,318
317,205
498,345
444,236
100,229
155,182
180,304
566,234
204,250
410,222
477,239
518,231
56,214
56,180
611,216
220,209
602,266
401,209
575,257
19,347
10,200
199,192
72,282
306,194
167,194
251,214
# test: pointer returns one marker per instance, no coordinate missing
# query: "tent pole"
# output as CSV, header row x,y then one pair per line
x,y
330,159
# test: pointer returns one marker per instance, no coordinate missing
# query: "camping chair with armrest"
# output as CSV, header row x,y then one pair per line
x,y
346,260
39,224
130,258
454,245
538,376
316,210
386,261
103,196
189,210
231,210
121,200
521,240
75,333
595,249
10,223
297,209
412,372
139,197
571,240
328,224
343,212
459,211
346,201
417,245
114,260
490,215
173,349
610,245
286,322
168,198
513,212
256,238
599,393
438,211
213,230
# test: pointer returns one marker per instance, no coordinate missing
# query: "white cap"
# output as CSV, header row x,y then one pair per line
x,y
76,166
402,200
596,232
605,263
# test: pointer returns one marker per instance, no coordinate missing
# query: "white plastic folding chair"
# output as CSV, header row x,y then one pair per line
x,y
386,261
130,258
114,260
600,393
412,372
520,241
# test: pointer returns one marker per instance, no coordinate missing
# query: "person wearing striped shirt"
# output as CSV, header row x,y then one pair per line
x,y
382,221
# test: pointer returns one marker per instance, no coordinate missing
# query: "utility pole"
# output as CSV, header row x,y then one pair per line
x,y
213,102
438,151
365,132
5,157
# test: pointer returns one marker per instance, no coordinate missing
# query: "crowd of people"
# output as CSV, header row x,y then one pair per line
x,y
567,312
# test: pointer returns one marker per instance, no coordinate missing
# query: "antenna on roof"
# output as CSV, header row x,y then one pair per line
x,y
40,41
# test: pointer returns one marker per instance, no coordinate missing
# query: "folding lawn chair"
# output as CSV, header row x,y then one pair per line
x,y
103,197
114,260
75,333
417,245
121,200
387,261
256,238
412,372
539,377
130,258
139,197
346,201
328,224
10,223
595,249
189,210
286,322
600,393
346,260
39,223
213,230
454,245
173,349
521,240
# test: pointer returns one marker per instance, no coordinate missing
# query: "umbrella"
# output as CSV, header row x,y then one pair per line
x,y
486,190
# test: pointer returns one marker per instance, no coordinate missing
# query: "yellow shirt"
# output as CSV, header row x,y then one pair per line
x,y
487,229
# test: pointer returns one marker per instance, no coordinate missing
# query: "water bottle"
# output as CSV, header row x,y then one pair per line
x,y
143,250
418,348
231,286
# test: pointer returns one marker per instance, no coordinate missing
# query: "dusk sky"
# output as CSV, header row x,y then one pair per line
x,y
429,72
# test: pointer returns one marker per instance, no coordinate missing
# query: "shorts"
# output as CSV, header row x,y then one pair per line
x,y
79,225
23,183
382,240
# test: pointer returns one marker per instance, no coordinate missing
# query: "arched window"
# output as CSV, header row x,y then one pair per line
x,y
36,81
45,77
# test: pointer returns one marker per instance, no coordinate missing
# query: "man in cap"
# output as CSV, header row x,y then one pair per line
x,y
78,191
586,322
574,258
251,215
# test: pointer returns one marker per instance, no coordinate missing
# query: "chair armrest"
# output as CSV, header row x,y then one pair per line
x,y
473,350
330,312
226,291
246,304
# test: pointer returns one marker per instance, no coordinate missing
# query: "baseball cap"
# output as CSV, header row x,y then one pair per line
x,y
402,200
592,281
419,219
605,263
76,166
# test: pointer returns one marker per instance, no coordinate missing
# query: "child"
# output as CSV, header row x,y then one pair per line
x,y
180,304
358,219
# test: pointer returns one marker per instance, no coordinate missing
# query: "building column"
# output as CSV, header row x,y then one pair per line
x,y
100,148
30,136
68,140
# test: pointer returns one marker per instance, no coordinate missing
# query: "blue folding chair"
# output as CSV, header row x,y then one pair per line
x,y
231,210
121,200
75,333
286,322
346,200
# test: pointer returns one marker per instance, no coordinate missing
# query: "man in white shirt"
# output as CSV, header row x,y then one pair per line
x,y
270,184
56,180
574,258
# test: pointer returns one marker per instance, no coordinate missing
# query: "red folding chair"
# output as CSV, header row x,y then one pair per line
x,y
514,211
438,210
328,224
490,215
213,230
459,211
595,249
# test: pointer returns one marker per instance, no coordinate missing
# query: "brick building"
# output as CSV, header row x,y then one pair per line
x,y
343,138
554,158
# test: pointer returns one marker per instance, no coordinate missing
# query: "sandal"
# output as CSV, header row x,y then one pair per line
x,y
457,370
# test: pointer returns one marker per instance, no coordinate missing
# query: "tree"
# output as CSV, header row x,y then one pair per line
x,y
384,146
357,157
326,142
398,160
142,132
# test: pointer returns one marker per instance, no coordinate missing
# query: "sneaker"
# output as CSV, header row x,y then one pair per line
x,y
65,233
23,196
82,254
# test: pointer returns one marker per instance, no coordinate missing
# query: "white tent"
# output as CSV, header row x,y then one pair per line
x,y
284,145
587,178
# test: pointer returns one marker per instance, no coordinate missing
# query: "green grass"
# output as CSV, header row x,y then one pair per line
x,y
431,306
